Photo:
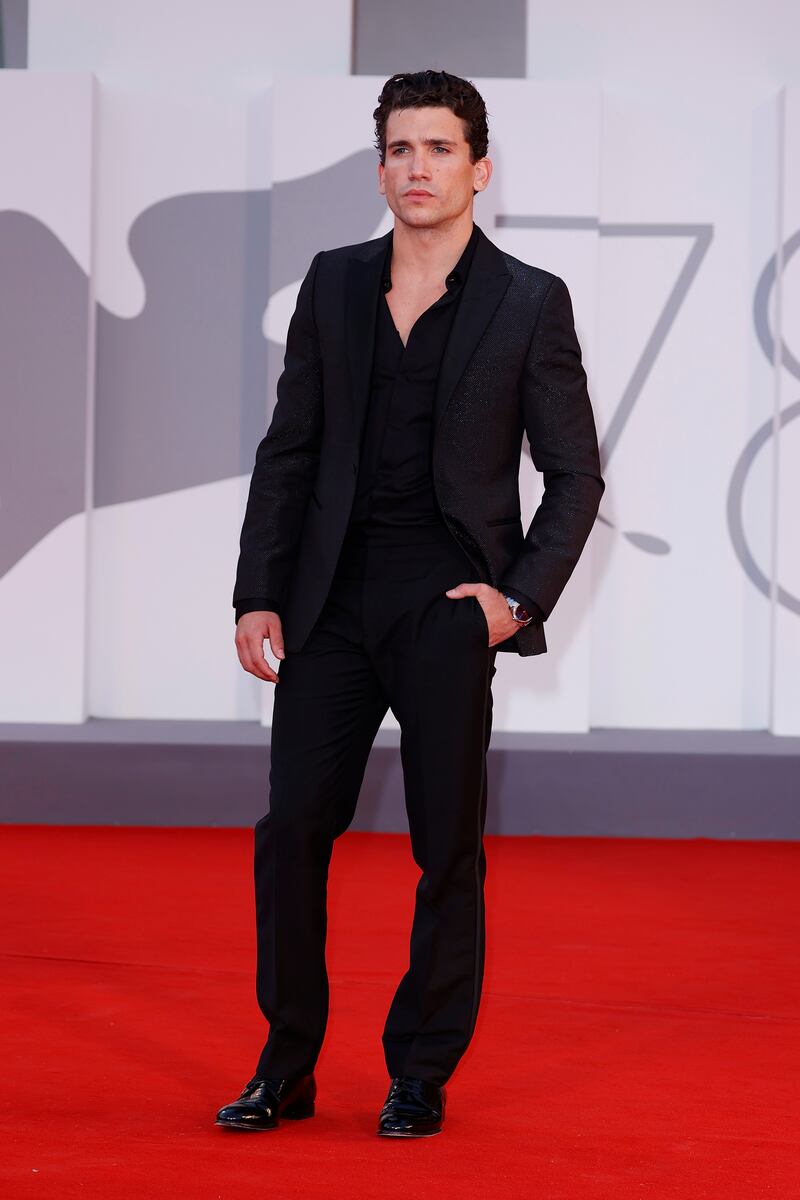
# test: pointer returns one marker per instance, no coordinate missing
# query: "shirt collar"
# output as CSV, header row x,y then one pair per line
x,y
456,277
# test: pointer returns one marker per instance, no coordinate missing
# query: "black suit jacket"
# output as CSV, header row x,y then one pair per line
x,y
512,366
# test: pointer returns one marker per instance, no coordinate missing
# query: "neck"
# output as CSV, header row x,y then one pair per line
x,y
429,253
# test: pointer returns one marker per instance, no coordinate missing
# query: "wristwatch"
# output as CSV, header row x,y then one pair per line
x,y
520,614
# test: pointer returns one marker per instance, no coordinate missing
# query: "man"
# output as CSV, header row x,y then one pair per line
x,y
383,557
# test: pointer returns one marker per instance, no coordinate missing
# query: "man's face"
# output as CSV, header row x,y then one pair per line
x,y
428,178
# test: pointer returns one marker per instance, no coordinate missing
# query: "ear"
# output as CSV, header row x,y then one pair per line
x,y
381,187
482,173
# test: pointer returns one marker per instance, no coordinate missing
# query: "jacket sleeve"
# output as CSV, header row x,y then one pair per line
x,y
286,461
560,427
254,604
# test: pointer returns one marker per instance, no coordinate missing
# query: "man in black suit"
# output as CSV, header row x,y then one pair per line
x,y
383,557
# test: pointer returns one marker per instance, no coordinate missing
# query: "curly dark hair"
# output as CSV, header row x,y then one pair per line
x,y
418,89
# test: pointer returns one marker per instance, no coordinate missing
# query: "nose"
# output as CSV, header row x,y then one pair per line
x,y
417,168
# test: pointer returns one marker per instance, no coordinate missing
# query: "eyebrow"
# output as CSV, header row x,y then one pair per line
x,y
429,141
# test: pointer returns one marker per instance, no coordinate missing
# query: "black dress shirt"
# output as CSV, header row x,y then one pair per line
x,y
395,481
394,485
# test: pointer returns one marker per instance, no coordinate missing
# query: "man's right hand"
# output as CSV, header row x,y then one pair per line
x,y
251,630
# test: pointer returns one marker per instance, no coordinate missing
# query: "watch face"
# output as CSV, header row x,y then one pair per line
x,y
518,611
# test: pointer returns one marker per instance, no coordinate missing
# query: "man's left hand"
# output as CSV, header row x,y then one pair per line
x,y
498,615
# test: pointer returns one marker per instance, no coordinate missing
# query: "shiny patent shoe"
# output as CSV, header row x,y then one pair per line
x,y
264,1102
413,1108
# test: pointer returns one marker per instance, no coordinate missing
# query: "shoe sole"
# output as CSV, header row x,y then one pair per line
x,y
398,1134
246,1128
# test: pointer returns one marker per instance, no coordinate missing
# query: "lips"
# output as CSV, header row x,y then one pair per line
x,y
418,193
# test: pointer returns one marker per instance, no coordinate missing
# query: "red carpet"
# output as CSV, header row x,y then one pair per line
x,y
639,1034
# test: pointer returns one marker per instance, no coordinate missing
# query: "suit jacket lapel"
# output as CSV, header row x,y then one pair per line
x,y
362,289
483,290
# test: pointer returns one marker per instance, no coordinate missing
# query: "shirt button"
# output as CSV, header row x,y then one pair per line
x,y
451,279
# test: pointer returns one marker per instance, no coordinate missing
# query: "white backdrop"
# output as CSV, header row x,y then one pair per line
x,y
653,172
685,635
785,717
46,152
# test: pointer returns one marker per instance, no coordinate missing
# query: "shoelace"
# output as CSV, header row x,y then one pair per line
x,y
408,1089
255,1083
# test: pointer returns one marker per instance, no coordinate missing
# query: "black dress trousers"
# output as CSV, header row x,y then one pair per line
x,y
387,637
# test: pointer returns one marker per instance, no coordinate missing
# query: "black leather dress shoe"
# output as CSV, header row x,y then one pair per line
x,y
264,1102
413,1108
